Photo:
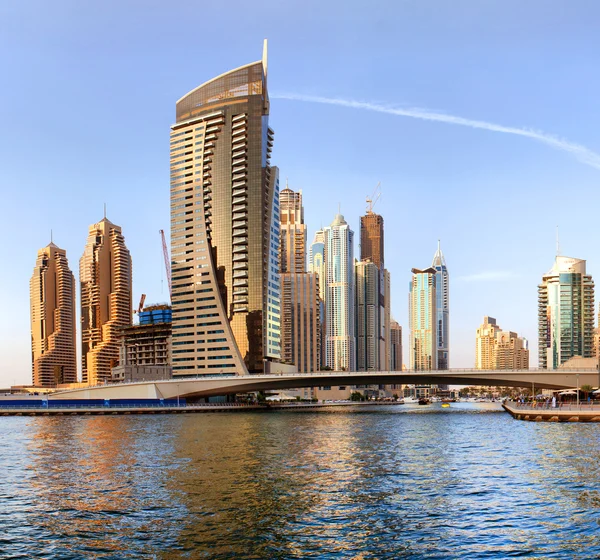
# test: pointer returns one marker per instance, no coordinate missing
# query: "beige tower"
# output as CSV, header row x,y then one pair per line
x,y
292,245
498,349
52,294
106,307
485,342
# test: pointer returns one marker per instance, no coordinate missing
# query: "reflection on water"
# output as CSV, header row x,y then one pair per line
x,y
383,482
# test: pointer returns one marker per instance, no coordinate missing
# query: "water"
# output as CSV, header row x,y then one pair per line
x,y
383,482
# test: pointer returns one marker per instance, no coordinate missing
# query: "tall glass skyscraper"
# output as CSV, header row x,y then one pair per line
x,y
442,311
340,343
423,319
225,227
565,313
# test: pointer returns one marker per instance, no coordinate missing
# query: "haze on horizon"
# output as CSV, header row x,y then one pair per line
x,y
91,95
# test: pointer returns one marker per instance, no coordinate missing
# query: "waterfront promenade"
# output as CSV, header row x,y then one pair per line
x,y
563,412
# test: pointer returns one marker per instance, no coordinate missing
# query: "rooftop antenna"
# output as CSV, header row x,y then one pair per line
x,y
557,243
105,210
51,237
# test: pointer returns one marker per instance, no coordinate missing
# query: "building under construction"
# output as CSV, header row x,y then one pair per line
x,y
145,352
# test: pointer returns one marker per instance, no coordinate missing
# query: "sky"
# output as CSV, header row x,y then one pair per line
x,y
479,118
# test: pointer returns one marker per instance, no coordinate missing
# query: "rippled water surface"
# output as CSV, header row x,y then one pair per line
x,y
382,482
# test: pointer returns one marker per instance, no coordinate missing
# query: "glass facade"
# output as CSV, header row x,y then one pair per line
x,y
340,343
225,227
565,313
423,323
442,310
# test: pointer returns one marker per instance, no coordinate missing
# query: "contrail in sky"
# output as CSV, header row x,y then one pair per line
x,y
583,154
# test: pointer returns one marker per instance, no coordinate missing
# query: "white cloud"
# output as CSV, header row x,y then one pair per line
x,y
489,275
583,154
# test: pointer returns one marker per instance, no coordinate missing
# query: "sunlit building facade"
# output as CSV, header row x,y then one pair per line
x,y
105,278
340,342
368,316
292,253
442,287
396,346
423,319
565,313
499,349
225,227
52,299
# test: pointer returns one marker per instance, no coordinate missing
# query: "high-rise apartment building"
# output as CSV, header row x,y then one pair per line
x,y
485,343
300,321
396,346
225,227
300,301
106,300
442,309
292,232
499,349
317,261
423,319
385,310
511,352
367,316
340,342
52,298
565,313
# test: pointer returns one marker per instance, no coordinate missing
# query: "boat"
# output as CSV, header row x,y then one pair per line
x,y
445,405
423,400
410,400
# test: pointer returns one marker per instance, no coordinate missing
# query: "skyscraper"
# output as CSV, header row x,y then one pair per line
x,y
300,301
371,238
317,260
498,349
485,341
396,346
106,300
442,309
339,295
423,319
565,313
52,298
292,231
225,227
367,316
300,321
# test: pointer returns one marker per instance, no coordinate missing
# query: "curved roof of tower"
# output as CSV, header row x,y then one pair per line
x,y
339,220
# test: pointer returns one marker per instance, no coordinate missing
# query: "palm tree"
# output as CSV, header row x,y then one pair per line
x,y
587,389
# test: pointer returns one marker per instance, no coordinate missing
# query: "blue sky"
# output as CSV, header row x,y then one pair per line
x,y
89,91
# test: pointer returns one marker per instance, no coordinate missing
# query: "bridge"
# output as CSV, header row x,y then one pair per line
x,y
220,385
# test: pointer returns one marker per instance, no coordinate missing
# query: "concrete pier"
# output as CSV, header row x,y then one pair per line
x,y
564,412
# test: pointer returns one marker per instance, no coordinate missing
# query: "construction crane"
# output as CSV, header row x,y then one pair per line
x,y
141,305
371,200
166,256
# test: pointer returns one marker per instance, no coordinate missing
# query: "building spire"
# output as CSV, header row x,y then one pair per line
x,y
557,243
264,57
105,210
51,237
